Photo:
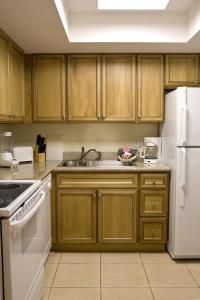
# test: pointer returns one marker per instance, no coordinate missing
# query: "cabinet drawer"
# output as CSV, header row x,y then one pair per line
x,y
154,180
153,203
94,180
152,230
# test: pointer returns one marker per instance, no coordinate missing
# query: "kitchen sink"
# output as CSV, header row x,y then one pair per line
x,y
93,163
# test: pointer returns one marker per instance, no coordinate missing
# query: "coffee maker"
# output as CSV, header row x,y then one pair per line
x,y
151,151
6,150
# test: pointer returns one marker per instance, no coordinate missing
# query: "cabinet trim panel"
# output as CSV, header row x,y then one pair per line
x,y
83,180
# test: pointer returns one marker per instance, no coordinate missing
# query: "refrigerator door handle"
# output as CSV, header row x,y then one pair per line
x,y
184,122
183,177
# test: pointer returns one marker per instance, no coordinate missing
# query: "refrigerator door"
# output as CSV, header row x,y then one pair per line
x,y
188,114
187,206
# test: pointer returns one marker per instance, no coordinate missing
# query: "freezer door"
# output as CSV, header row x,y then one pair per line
x,y
187,215
188,116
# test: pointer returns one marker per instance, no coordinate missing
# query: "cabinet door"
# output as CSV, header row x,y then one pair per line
x,y
152,230
181,69
150,88
117,216
17,84
84,87
153,203
119,88
49,87
76,216
5,108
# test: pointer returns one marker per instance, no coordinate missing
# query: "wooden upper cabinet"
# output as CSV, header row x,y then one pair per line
x,y
5,107
150,88
17,84
76,216
118,87
84,87
181,70
117,216
49,88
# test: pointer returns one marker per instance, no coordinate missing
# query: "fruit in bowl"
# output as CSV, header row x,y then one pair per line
x,y
127,154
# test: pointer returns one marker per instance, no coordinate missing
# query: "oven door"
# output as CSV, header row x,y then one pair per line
x,y
26,236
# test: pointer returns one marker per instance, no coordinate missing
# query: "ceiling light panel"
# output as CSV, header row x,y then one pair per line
x,y
132,4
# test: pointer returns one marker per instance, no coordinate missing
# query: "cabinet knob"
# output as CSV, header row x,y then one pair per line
x,y
98,116
99,195
139,116
196,81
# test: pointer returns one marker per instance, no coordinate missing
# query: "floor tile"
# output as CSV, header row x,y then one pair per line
x,y
80,258
77,275
156,258
123,275
194,269
49,273
176,293
122,258
126,294
45,294
53,258
75,294
169,275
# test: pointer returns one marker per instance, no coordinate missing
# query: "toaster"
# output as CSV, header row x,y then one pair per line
x,y
23,154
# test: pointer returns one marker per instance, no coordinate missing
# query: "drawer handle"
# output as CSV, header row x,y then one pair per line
x,y
153,233
154,182
153,205
148,182
159,182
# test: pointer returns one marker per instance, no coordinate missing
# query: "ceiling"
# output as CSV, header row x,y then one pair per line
x,y
66,26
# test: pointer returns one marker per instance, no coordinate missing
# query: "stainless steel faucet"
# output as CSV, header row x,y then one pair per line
x,y
84,155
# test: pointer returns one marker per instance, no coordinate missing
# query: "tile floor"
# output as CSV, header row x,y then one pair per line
x,y
120,276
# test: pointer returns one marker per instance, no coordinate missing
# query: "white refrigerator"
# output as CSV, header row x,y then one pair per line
x,y
180,134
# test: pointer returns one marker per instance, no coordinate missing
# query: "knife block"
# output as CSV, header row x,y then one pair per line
x,y
39,157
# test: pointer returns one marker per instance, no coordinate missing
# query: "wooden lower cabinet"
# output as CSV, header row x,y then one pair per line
x,y
153,203
152,230
117,216
94,212
76,216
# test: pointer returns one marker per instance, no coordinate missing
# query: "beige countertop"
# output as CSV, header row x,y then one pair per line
x,y
41,170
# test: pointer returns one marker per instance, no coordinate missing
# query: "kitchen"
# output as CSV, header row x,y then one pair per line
x,y
100,76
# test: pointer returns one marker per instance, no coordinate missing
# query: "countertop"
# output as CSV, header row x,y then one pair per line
x,y
39,171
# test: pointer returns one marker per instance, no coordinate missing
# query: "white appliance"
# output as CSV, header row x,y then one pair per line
x,y
6,150
23,154
181,151
1,271
26,240
151,151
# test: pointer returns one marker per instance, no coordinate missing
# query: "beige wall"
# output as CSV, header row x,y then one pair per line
x,y
105,137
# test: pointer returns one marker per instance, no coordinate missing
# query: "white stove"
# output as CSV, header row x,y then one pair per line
x,y
13,193
25,236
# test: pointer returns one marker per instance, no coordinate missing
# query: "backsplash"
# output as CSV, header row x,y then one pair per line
x,y
104,137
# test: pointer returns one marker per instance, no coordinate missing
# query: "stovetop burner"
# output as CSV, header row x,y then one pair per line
x,y
9,186
10,191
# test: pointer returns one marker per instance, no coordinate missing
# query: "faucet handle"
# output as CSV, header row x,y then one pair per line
x,y
82,149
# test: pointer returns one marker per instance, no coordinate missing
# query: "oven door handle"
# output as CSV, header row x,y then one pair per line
x,y
16,225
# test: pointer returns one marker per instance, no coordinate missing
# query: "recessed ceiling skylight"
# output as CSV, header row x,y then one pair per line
x,y
132,4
